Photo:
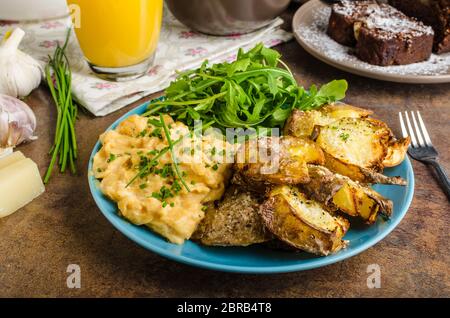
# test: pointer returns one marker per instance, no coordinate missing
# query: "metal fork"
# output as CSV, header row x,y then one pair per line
x,y
421,147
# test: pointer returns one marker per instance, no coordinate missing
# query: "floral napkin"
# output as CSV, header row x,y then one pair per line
x,y
178,49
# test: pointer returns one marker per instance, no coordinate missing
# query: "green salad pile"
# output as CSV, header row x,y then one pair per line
x,y
256,90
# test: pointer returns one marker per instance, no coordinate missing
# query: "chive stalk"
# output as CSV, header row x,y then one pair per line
x,y
59,79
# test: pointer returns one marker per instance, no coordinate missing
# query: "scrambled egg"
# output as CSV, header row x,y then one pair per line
x,y
158,198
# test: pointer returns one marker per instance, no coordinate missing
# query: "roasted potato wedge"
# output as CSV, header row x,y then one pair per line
x,y
341,193
277,160
303,223
360,147
302,123
362,142
235,221
359,174
310,123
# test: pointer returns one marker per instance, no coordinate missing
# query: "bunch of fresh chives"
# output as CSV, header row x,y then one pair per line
x,y
59,80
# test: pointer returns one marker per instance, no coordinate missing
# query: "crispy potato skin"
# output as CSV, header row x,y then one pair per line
x,y
285,219
396,152
359,174
277,160
234,221
341,193
354,145
302,123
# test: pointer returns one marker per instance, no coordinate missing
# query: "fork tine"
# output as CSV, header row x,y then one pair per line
x,y
411,131
417,130
424,130
402,125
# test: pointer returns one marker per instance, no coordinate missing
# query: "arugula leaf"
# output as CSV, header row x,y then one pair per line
x,y
239,65
328,93
335,89
271,56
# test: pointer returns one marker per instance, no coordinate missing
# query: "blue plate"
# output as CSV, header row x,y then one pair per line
x,y
258,259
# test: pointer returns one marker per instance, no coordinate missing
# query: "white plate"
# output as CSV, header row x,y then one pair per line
x,y
309,26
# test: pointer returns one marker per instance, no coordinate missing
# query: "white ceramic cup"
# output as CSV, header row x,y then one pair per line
x,y
20,10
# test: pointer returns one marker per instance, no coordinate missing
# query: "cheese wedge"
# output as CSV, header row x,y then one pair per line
x,y
12,158
5,152
20,183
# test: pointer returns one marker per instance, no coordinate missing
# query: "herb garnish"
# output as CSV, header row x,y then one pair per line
x,y
156,133
111,158
143,133
172,153
163,194
344,136
147,164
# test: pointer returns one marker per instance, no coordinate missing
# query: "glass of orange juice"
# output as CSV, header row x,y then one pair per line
x,y
118,37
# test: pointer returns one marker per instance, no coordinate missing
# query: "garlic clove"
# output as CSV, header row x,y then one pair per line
x,y
17,122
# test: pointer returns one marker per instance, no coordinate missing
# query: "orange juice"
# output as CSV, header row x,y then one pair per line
x,y
118,33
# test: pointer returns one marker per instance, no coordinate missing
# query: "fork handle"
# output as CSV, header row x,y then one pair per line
x,y
442,175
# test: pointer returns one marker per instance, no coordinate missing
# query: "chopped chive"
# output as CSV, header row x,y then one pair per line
x,y
145,168
111,158
172,153
344,136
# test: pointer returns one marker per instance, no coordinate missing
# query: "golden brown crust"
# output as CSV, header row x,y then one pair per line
x,y
302,123
338,192
359,174
396,152
361,142
284,219
235,221
277,160
354,145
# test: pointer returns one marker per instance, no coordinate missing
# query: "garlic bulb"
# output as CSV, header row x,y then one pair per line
x,y
17,122
19,72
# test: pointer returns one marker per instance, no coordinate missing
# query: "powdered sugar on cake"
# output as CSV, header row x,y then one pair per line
x,y
315,36
383,18
395,25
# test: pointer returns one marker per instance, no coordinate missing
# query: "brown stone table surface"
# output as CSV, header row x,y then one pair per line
x,y
64,226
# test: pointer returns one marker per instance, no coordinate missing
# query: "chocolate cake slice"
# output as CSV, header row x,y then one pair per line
x,y
343,17
381,34
435,13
